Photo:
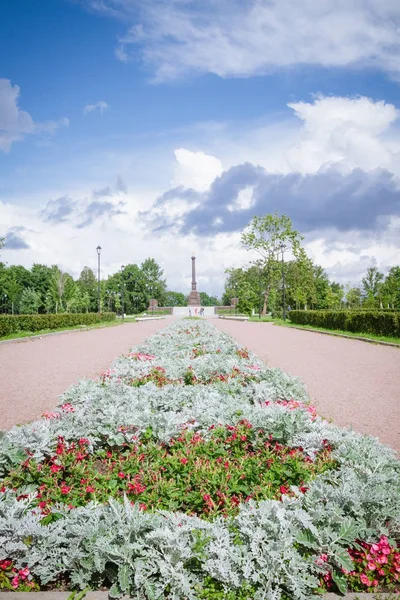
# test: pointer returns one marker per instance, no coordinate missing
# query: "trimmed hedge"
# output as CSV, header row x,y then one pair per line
x,y
378,322
16,323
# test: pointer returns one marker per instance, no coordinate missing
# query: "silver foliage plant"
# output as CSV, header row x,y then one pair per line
x,y
272,545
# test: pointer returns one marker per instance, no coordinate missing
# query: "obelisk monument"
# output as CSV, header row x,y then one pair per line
x,y
194,296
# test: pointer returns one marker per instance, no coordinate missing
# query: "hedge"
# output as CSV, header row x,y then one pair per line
x,y
378,322
16,323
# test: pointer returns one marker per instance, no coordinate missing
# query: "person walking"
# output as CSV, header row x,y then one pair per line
x,y
190,312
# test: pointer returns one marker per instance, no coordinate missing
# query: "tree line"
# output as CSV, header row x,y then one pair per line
x,y
281,266
48,289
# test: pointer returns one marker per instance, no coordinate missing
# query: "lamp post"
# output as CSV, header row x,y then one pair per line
x,y
259,291
122,291
98,250
282,248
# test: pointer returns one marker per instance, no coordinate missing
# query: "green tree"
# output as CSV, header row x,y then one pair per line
x,y
62,289
271,236
29,302
207,300
353,297
41,277
88,284
372,284
175,298
391,288
335,296
155,285
13,290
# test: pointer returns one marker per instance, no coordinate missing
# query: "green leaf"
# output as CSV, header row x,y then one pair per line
x,y
114,591
123,577
348,530
340,581
342,558
306,538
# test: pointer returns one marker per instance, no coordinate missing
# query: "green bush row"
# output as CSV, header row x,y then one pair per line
x,y
16,323
375,321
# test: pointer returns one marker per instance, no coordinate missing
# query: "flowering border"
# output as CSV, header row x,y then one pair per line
x,y
192,376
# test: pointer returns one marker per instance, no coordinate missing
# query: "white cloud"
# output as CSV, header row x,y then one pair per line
x,y
347,132
15,123
195,170
233,38
101,105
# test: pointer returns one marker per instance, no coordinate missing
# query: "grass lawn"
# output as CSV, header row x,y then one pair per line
x,y
368,336
24,334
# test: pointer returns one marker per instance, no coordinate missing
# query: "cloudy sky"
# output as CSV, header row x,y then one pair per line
x,y
158,128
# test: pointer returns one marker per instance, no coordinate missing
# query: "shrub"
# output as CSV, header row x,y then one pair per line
x,y
358,321
16,323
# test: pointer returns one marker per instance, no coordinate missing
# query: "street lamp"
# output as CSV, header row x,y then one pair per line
x,y
282,249
98,250
122,291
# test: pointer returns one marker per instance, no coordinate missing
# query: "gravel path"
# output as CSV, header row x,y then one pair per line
x,y
34,372
355,383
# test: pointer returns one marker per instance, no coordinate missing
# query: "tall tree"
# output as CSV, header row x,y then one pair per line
x,y
372,284
391,288
41,277
88,284
153,278
271,236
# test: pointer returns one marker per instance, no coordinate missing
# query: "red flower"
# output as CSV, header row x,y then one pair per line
x,y
65,489
121,475
136,488
284,490
55,468
90,489
184,461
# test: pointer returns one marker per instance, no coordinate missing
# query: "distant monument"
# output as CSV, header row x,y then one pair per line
x,y
194,296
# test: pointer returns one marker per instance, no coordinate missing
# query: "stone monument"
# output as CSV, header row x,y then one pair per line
x,y
194,296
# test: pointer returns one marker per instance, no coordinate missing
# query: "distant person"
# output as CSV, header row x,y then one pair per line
x,y
202,311
195,311
190,312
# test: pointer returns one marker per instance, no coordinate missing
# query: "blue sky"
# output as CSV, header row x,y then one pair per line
x,y
160,128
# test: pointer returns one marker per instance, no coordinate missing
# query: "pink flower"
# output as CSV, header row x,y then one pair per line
x,y
23,573
90,489
55,468
121,475
382,560
364,579
67,407
15,582
184,461
371,566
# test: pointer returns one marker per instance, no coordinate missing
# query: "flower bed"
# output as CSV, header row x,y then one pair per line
x,y
190,470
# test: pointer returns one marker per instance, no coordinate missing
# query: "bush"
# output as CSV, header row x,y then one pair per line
x,y
377,322
16,323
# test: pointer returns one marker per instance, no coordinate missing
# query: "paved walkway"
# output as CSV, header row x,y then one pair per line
x,y
34,372
355,383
